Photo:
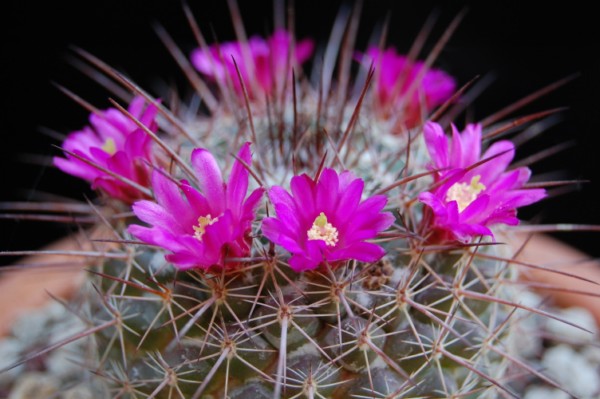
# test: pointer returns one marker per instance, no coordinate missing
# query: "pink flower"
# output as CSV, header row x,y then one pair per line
x,y
201,229
465,202
325,220
395,77
113,142
268,58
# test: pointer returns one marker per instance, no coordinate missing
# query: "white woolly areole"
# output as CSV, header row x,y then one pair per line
x,y
10,352
378,363
307,349
364,299
400,274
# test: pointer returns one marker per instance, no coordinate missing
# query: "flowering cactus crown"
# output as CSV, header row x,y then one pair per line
x,y
301,238
323,221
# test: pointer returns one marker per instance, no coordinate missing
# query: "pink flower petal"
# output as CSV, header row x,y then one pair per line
x,y
503,153
437,144
210,179
348,202
277,232
303,190
251,204
196,200
456,151
326,194
154,214
471,141
300,263
475,209
304,50
361,251
169,196
286,210
238,181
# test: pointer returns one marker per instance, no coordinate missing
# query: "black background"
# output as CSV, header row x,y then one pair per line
x,y
525,46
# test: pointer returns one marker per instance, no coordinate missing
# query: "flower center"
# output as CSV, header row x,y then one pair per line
x,y
464,193
109,146
322,230
200,228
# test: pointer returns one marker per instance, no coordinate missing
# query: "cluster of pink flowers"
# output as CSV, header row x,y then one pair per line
x,y
204,228
322,221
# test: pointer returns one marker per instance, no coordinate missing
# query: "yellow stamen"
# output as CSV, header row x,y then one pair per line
x,y
321,220
109,146
200,229
322,230
464,193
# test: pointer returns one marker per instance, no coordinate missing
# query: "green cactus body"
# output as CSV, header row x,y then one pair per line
x,y
315,335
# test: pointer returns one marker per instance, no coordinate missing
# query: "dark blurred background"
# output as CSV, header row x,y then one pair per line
x,y
523,46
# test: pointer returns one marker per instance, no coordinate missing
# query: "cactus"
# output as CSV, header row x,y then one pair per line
x,y
351,252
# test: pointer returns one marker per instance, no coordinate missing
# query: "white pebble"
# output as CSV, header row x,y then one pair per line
x,y
572,371
545,393
10,350
578,316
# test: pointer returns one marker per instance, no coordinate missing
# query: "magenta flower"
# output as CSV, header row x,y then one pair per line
x,y
113,142
395,77
201,228
466,202
268,61
325,220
